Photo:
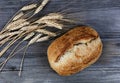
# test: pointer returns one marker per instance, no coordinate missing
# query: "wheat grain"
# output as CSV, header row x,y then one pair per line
x,y
18,16
46,32
43,39
41,6
29,36
29,7
34,39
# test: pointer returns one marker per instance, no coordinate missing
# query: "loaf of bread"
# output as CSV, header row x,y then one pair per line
x,y
75,50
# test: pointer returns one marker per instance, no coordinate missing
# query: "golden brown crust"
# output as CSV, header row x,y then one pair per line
x,y
80,35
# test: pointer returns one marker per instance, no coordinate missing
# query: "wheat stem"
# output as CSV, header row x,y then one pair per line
x,y
11,43
27,37
22,61
10,56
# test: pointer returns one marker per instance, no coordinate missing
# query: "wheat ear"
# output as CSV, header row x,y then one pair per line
x,y
33,40
41,6
15,24
51,23
52,16
29,27
46,32
28,7
43,39
18,16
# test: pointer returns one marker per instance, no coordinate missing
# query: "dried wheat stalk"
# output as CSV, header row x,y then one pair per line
x,y
23,28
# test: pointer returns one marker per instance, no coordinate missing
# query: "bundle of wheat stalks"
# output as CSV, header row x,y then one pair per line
x,y
22,27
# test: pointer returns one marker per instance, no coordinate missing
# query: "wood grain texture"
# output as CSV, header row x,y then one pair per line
x,y
102,15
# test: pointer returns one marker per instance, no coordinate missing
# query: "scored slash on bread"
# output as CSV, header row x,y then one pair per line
x,y
75,50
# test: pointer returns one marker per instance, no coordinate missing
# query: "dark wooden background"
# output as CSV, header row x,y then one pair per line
x,y
102,15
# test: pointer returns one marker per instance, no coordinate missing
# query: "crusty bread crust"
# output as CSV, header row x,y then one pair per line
x,y
75,50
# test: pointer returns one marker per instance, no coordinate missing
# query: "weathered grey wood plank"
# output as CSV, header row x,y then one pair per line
x,y
102,15
84,77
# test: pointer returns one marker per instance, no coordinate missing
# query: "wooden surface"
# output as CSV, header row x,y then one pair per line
x,y
102,15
